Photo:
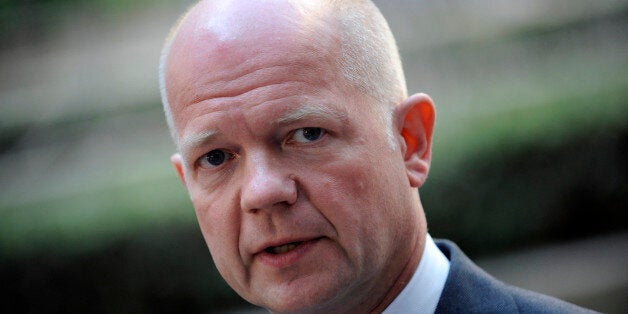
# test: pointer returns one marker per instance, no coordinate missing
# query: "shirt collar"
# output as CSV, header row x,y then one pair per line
x,y
422,293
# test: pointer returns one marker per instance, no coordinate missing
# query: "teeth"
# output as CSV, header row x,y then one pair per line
x,y
284,248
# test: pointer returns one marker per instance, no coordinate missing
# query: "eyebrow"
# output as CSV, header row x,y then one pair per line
x,y
190,142
309,111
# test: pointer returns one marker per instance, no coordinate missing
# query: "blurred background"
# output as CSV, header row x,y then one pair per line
x,y
529,169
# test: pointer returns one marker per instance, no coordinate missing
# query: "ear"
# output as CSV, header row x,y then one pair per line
x,y
415,123
177,162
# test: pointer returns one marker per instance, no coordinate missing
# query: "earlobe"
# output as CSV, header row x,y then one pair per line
x,y
177,162
415,122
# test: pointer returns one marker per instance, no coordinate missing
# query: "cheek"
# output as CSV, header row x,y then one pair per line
x,y
358,192
348,195
358,180
219,222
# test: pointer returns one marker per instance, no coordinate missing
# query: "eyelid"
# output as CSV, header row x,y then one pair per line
x,y
230,155
290,137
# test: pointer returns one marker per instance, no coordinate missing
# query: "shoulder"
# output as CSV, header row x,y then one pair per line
x,y
532,302
470,289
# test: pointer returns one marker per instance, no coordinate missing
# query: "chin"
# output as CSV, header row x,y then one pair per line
x,y
317,298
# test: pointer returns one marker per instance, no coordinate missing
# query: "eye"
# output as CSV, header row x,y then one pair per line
x,y
214,158
307,135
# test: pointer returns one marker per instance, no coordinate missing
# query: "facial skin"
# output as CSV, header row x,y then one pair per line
x,y
304,205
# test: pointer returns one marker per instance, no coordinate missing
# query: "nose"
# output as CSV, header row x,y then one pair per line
x,y
267,185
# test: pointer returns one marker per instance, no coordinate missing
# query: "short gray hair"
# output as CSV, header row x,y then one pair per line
x,y
369,59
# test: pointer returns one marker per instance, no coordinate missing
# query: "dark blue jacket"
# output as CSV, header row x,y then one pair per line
x,y
469,289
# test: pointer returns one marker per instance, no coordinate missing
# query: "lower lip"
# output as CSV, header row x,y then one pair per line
x,y
289,258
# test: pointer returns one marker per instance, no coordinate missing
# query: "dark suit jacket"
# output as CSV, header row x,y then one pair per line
x,y
469,289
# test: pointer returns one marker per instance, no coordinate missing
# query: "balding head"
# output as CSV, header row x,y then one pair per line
x,y
366,56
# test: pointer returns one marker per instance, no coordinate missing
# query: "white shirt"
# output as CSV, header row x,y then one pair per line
x,y
422,293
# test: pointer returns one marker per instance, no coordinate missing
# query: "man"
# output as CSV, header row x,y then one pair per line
x,y
302,154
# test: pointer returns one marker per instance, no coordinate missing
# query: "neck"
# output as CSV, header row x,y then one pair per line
x,y
404,277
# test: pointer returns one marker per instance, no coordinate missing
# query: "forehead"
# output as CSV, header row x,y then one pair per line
x,y
216,58
219,36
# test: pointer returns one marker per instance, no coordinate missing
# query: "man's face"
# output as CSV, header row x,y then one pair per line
x,y
299,196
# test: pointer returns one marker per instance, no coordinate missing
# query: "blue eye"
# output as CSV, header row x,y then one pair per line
x,y
306,135
214,158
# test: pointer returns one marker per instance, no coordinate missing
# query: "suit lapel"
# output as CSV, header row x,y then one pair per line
x,y
469,289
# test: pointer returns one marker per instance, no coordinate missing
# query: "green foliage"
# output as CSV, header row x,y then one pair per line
x,y
164,269
89,221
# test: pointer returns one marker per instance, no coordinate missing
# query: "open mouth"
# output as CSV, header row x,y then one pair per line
x,y
282,248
